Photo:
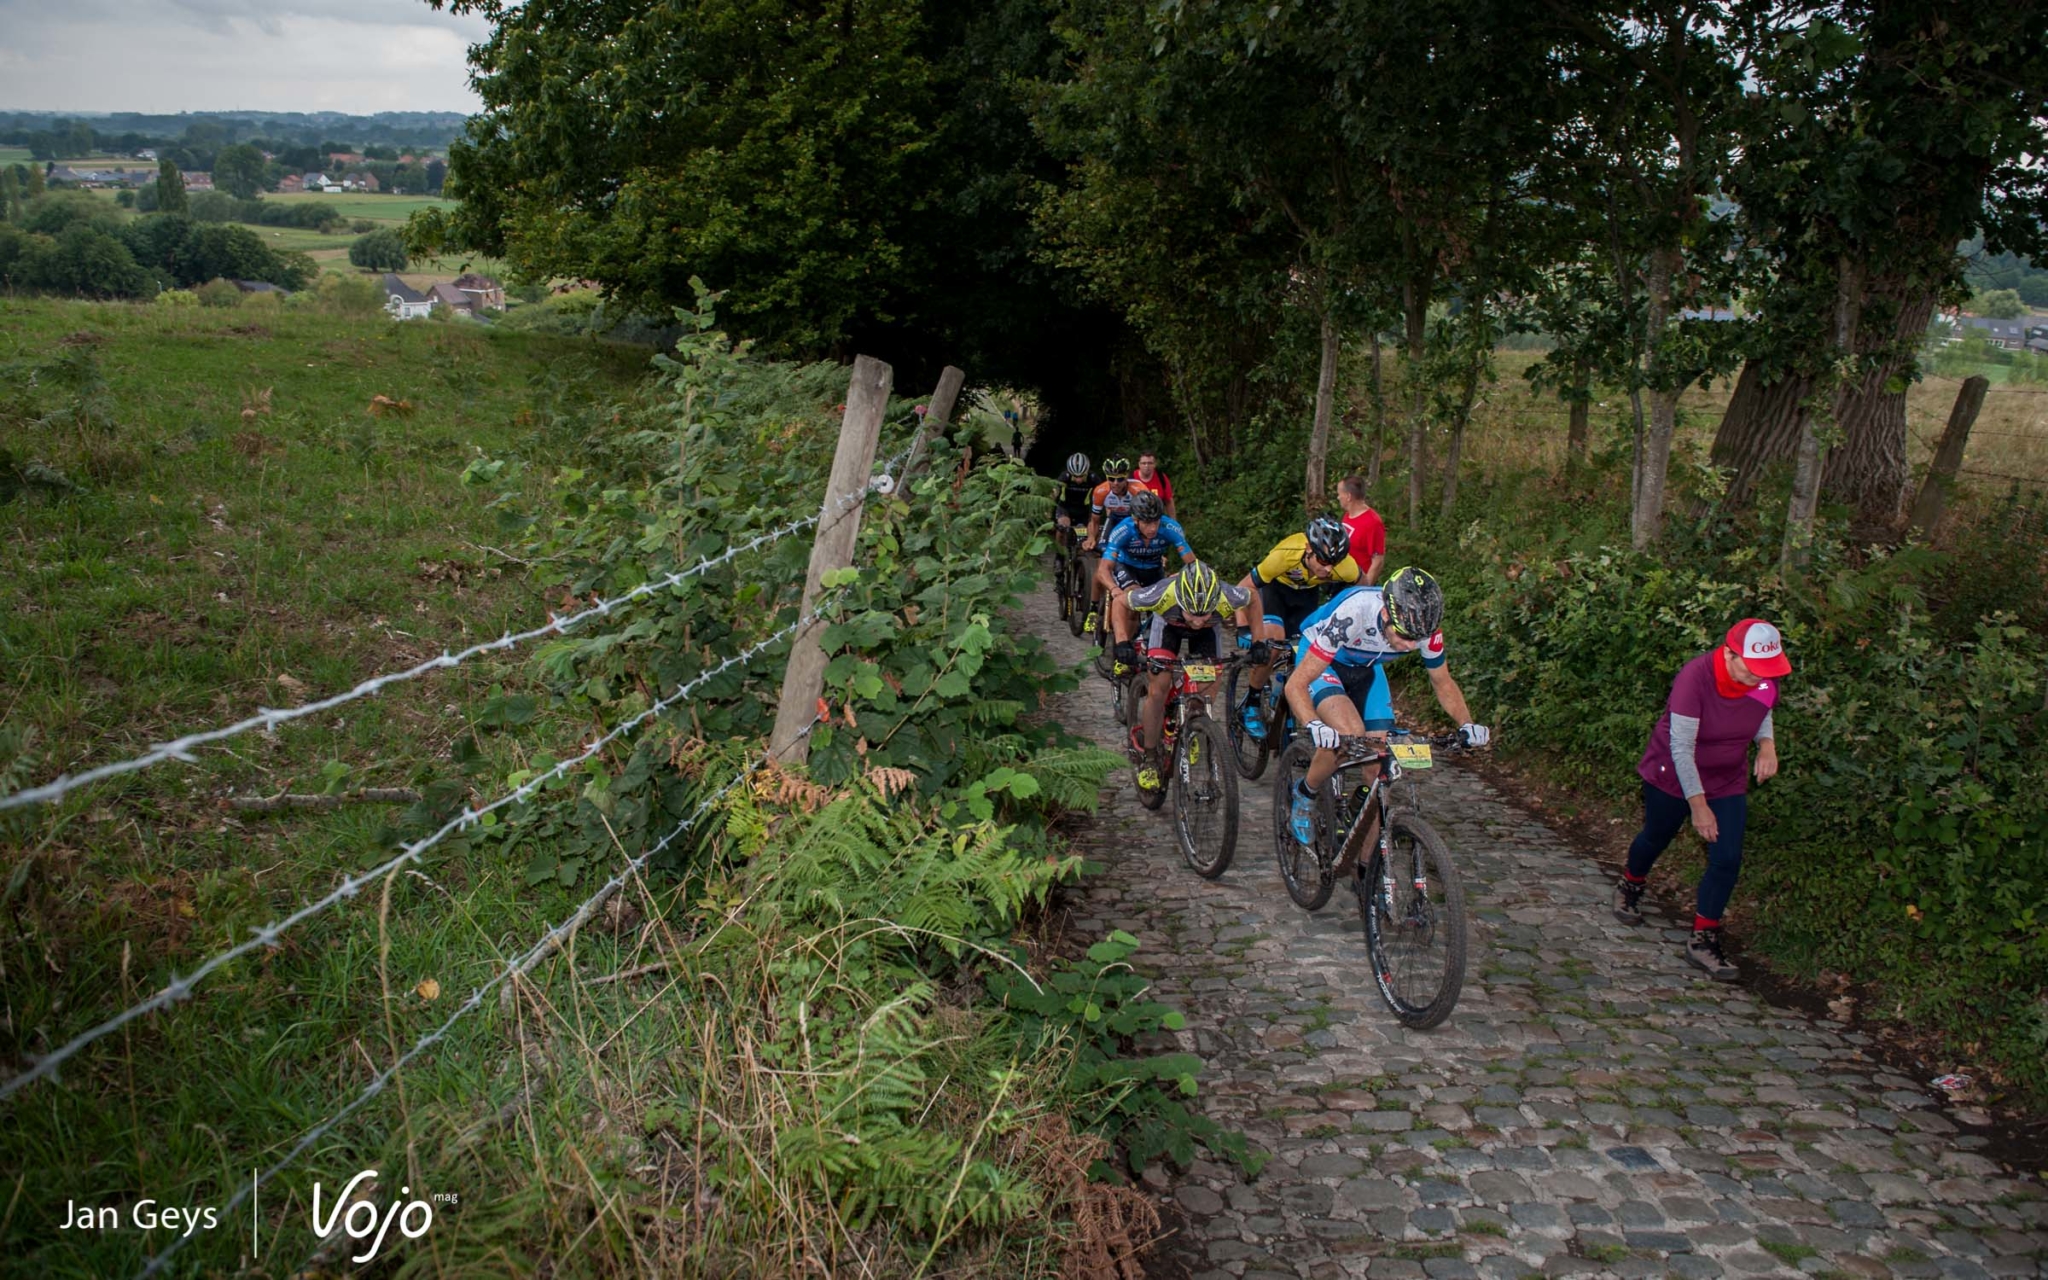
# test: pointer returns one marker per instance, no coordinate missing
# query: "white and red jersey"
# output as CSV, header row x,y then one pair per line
x,y
1345,632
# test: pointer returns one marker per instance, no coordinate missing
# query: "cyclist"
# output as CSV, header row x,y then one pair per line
x,y
1070,505
1108,505
1338,688
1135,556
1184,609
1295,578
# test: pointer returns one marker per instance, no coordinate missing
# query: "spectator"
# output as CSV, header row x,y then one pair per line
x,y
1368,532
1151,477
1697,766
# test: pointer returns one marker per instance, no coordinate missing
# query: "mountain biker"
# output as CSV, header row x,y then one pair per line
x,y
1294,579
1183,609
1072,502
1338,688
1108,506
1135,556
1696,766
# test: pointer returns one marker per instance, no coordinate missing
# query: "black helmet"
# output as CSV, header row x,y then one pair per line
x,y
1328,540
1077,467
1118,468
1147,506
1415,603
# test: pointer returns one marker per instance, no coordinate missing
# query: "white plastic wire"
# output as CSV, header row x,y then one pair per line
x,y
268,718
540,950
178,988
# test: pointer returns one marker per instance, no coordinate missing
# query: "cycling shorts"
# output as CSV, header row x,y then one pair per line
x,y
1164,639
1288,607
1365,685
1130,575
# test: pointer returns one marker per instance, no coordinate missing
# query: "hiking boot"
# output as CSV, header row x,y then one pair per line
x,y
1705,951
1303,817
1628,900
1254,723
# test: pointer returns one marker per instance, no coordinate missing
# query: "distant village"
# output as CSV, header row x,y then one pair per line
x,y
343,174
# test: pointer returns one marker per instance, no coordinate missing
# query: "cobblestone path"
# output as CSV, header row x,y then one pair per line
x,y
1594,1106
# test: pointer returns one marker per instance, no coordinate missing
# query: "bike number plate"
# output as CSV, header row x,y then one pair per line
x,y
1200,673
1412,755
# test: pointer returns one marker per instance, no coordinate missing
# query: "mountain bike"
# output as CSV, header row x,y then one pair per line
x,y
1409,894
1203,784
1070,574
1251,753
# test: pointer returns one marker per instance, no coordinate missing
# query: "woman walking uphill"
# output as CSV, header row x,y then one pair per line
x,y
1697,766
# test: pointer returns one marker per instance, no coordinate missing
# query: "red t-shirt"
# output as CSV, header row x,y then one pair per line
x,y
1727,726
1158,484
1368,537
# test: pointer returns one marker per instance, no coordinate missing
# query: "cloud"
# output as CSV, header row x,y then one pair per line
x,y
222,55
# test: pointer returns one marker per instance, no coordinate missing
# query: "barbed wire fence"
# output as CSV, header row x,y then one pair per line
x,y
181,987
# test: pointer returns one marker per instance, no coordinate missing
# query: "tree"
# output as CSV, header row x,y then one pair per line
x,y
170,188
379,251
437,171
1998,304
238,170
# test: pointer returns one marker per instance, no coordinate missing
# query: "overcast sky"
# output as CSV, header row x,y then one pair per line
x,y
219,55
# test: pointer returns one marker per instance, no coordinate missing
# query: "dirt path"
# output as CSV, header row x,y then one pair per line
x,y
1593,1107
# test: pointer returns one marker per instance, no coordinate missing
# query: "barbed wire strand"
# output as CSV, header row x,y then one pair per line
x,y
179,988
269,718
549,942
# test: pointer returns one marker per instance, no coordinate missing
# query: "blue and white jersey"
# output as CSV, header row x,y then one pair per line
x,y
1129,546
1345,632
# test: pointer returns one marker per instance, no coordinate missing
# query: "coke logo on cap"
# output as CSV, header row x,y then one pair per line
x,y
1764,647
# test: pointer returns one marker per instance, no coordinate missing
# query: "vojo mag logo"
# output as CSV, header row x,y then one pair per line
x,y
360,1220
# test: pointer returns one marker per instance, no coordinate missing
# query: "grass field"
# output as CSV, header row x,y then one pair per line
x,y
242,532
14,155
377,208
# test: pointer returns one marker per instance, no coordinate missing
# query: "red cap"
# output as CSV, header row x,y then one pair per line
x,y
1760,647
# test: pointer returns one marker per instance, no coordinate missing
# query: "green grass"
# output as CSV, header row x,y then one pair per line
x,y
245,534
1606,1252
377,208
15,155
1789,1254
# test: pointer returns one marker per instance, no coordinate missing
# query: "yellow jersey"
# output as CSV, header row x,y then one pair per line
x,y
1286,565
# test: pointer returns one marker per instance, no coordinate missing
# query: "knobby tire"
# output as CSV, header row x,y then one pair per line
x,y
1435,927
1204,799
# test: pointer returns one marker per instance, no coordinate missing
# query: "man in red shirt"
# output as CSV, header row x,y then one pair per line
x,y
1368,532
1150,476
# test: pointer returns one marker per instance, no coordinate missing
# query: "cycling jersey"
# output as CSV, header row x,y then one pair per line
x,y
1346,632
1111,505
1074,498
1169,628
1286,565
1130,547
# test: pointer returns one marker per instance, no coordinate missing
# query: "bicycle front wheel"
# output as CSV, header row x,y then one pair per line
x,y
1077,592
1248,752
1204,799
1413,904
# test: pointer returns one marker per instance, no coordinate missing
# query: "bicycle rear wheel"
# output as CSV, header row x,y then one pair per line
x,y
1416,936
1204,799
1248,752
1077,592
1304,869
1105,639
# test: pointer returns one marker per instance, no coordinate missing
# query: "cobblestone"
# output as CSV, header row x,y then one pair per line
x,y
1593,1106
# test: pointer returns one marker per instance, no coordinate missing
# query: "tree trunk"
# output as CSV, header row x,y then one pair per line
x,y
1811,454
1759,428
1314,490
1653,449
1466,393
1575,440
1948,458
1868,468
1416,304
1379,418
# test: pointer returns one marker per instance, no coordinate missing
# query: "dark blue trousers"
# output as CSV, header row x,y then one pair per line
x,y
1663,816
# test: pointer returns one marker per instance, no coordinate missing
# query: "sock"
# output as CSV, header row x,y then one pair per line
x,y
1700,922
1301,790
1633,878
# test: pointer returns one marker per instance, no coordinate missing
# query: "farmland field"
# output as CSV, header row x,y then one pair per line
x,y
378,208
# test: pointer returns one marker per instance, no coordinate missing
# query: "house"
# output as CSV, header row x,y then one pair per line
x,y
147,153
198,182
290,184
1721,314
360,180
342,159
261,286
488,294
2013,335
403,301
447,295
63,175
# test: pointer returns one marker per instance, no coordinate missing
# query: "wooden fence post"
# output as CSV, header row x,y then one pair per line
x,y
838,530
1948,457
938,412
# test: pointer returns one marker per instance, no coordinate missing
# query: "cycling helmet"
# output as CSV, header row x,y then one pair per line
x,y
1415,603
1328,540
1200,590
1147,506
1077,467
1116,469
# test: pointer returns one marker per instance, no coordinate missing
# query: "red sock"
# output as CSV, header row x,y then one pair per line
x,y
1701,922
1632,878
